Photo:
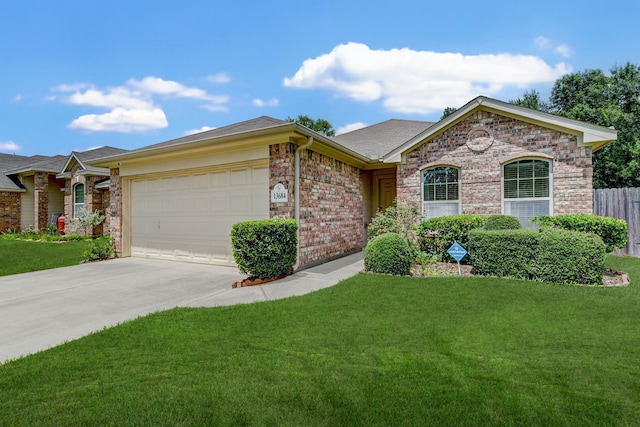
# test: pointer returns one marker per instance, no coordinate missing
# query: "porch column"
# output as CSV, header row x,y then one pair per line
x,y
41,200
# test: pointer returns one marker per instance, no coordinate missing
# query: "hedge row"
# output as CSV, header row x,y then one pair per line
x,y
548,255
612,231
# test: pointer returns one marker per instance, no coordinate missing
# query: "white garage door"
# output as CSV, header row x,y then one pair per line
x,y
189,217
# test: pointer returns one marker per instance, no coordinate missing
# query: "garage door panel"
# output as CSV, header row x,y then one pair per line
x,y
240,178
189,217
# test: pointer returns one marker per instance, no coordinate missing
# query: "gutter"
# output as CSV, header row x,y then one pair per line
x,y
296,195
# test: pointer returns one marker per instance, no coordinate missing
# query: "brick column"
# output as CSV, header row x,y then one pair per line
x,y
41,199
115,210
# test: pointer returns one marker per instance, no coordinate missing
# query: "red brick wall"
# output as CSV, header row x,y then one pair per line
x,y
331,202
9,211
481,170
281,171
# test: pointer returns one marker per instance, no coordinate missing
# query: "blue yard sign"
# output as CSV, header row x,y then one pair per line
x,y
457,252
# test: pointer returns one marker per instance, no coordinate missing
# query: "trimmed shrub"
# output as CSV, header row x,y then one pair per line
x,y
570,257
436,235
266,248
503,253
402,218
612,231
502,222
549,255
388,253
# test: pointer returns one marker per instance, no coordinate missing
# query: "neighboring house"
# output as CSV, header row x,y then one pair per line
x,y
36,190
86,188
178,199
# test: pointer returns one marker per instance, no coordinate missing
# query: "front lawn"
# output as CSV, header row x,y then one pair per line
x,y
372,350
21,256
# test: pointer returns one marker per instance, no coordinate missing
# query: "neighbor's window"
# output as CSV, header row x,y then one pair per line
x,y
78,200
527,189
440,191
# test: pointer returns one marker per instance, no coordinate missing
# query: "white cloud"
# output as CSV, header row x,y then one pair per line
x,y
9,146
542,42
545,43
564,50
273,102
122,120
114,97
17,98
156,85
350,127
409,81
215,108
219,78
131,107
202,129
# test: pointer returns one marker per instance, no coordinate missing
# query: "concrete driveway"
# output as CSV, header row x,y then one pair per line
x,y
43,309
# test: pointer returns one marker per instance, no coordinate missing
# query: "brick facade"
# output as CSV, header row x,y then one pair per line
x,y
93,197
481,171
9,211
331,202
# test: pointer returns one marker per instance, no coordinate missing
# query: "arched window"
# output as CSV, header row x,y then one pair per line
x,y
440,191
78,200
527,189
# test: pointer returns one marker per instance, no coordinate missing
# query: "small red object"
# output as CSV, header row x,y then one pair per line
x,y
60,224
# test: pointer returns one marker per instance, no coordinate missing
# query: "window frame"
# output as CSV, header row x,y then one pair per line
x,y
457,201
78,208
548,198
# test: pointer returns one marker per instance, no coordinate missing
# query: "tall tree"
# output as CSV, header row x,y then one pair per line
x,y
612,101
318,125
448,111
606,100
531,99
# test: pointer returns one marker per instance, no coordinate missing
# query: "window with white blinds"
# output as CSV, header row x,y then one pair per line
x,y
440,191
527,189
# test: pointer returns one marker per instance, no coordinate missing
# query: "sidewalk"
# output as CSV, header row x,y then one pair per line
x,y
300,283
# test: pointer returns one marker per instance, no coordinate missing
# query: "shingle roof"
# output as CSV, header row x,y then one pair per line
x,y
379,139
246,126
96,153
12,162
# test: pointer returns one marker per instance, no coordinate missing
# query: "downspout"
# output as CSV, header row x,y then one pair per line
x,y
296,195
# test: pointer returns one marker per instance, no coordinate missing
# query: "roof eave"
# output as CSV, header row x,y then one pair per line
x,y
589,134
294,128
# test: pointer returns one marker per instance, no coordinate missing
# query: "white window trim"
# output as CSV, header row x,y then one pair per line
x,y
75,204
423,202
527,199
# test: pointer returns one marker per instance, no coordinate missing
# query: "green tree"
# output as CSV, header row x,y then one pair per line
x,y
448,111
318,125
531,99
607,100
612,101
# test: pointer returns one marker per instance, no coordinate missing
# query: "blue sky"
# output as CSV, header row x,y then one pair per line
x,y
76,75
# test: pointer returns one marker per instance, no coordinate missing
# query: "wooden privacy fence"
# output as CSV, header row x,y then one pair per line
x,y
623,203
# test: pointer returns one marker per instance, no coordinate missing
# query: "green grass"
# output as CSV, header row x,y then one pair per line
x,y
21,256
372,350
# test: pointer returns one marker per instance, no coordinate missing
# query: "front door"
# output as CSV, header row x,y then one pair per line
x,y
387,192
